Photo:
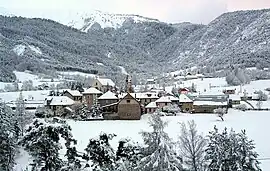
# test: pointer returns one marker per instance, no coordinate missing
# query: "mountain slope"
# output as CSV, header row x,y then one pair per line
x,y
40,45
84,20
233,38
145,48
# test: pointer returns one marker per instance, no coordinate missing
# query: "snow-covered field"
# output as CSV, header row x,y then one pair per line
x,y
255,123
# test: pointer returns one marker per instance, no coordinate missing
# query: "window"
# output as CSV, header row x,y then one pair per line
x,y
128,101
96,83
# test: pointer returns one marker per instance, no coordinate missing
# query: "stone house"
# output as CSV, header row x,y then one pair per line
x,y
163,101
208,103
74,95
129,108
186,104
103,84
58,102
91,95
143,98
207,106
107,99
151,107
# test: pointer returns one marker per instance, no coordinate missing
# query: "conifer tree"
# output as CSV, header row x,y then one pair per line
x,y
8,138
231,151
100,152
159,153
42,142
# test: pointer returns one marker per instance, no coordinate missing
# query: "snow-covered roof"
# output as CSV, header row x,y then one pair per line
x,y
209,103
108,96
106,81
74,92
235,97
172,98
149,95
151,105
61,101
164,99
92,90
184,99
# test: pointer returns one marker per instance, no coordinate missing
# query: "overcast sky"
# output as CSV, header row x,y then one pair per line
x,y
196,11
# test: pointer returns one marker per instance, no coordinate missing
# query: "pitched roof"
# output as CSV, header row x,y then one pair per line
x,y
128,95
209,103
149,95
74,92
184,99
151,105
172,98
108,96
106,81
61,101
92,90
235,97
163,99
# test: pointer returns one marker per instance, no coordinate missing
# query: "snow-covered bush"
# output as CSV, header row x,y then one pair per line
x,y
242,107
171,109
43,112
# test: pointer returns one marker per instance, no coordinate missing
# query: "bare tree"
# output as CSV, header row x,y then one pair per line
x,y
220,112
192,146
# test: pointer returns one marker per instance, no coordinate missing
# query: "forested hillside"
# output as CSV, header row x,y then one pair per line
x,y
145,48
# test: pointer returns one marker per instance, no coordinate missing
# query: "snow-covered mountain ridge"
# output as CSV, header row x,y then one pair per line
x,y
84,20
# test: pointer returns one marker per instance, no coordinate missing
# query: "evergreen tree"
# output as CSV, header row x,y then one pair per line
x,y
41,141
100,152
20,114
231,151
192,146
159,153
127,155
8,138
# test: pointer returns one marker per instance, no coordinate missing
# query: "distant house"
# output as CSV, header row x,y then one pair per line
x,y
183,90
150,81
151,107
163,101
129,108
207,106
229,91
103,84
234,99
144,98
73,94
107,99
58,102
186,103
208,103
91,95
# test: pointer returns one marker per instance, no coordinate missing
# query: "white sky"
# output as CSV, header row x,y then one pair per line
x,y
196,11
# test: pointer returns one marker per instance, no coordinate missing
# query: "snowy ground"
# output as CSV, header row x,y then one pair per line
x,y
255,123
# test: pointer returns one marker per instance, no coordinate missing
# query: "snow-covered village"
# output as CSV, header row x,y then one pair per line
x,y
124,90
